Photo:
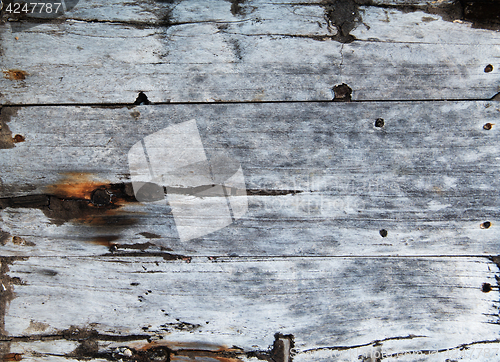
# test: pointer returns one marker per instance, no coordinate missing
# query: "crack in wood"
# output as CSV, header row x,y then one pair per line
x,y
372,343
75,333
460,347
114,105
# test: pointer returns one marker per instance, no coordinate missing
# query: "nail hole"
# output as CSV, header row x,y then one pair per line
x,y
100,197
485,225
142,99
488,68
488,126
383,233
18,138
342,93
379,123
486,287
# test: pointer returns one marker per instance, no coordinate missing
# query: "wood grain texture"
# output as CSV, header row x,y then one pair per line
x,y
326,303
371,226
205,52
321,179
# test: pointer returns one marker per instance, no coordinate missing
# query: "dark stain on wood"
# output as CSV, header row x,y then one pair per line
x,y
15,74
150,235
236,7
79,199
158,350
6,295
482,13
5,237
164,14
344,16
6,113
85,348
282,346
180,326
6,288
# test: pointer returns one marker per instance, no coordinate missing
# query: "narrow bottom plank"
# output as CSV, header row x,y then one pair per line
x,y
328,304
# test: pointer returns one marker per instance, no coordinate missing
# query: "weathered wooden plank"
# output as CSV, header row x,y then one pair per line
x,y
321,179
407,304
202,52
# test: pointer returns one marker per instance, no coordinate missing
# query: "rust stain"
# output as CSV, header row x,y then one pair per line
x,y
15,74
85,199
13,357
78,185
193,351
18,138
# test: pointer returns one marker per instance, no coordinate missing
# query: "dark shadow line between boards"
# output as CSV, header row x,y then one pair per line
x,y
243,258
132,105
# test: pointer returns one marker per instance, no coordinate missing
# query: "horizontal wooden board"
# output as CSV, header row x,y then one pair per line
x,y
332,306
321,179
205,52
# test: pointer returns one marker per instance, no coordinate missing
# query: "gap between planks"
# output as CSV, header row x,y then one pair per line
x,y
496,97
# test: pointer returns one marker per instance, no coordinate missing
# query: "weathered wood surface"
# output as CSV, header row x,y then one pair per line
x,y
195,51
326,303
296,154
321,179
363,241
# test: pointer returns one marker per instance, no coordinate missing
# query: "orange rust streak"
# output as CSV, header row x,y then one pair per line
x,y
75,185
15,74
211,355
187,346
225,359
13,357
